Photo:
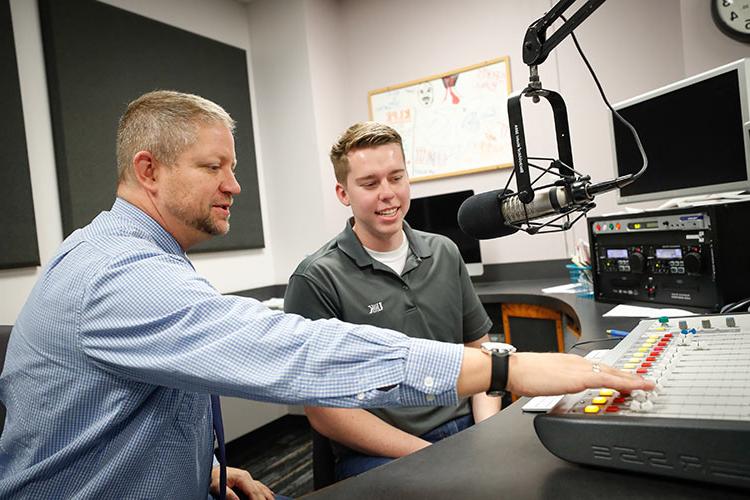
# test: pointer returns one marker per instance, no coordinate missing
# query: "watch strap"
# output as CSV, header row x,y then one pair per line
x,y
499,377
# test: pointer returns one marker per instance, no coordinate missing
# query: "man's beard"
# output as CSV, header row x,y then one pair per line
x,y
203,223
209,226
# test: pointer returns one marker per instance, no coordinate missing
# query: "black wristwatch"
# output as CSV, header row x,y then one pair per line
x,y
500,353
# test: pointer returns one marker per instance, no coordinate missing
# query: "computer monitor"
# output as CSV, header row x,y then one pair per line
x,y
438,214
696,133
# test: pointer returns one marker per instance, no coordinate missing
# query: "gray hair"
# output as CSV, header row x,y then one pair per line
x,y
165,123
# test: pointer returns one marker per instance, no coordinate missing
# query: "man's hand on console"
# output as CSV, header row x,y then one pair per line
x,y
541,374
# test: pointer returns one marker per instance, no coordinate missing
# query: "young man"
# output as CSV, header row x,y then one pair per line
x,y
112,360
379,271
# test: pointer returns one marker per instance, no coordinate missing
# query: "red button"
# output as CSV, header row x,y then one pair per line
x,y
651,358
657,349
619,400
646,365
667,336
641,370
612,409
663,344
655,353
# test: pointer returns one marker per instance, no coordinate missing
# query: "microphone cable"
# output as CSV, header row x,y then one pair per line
x,y
617,115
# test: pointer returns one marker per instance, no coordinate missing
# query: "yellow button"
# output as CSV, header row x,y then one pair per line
x,y
643,349
630,365
606,392
599,400
591,409
660,329
638,354
626,370
654,337
649,342
635,360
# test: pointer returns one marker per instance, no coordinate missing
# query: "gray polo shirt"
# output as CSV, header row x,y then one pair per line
x,y
433,298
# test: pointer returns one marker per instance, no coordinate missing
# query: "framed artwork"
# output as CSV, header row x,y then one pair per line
x,y
453,123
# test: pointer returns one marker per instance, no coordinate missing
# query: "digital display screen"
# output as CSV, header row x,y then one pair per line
x,y
668,253
617,253
643,225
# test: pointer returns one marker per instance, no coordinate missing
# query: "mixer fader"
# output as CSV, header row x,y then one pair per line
x,y
695,424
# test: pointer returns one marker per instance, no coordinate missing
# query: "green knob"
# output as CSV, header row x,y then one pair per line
x,y
664,319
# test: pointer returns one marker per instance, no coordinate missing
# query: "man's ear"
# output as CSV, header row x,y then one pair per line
x,y
342,195
146,170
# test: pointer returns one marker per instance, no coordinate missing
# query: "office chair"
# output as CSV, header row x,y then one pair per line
x,y
533,328
4,338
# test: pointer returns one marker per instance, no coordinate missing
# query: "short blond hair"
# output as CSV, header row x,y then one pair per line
x,y
165,123
358,136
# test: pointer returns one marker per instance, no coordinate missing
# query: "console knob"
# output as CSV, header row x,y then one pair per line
x,y
693,262
636,262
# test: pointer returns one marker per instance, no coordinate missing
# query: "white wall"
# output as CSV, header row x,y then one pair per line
x,y
634,46
706,47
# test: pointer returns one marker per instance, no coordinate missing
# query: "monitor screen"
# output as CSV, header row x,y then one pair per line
x,y
694,134
438,214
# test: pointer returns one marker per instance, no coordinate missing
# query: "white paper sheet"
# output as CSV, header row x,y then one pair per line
x,y
623,310
568,288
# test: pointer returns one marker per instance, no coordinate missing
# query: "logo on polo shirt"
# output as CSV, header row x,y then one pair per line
x,y
376,308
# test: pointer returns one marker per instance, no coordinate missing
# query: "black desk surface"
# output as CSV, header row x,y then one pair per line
x,y
502,457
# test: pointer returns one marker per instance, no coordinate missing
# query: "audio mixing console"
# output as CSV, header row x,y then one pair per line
x,y
694,425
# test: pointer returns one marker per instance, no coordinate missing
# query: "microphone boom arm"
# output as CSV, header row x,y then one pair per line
x,y
536,45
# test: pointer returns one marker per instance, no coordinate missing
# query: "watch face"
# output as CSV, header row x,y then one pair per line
x,y
498,346
732,17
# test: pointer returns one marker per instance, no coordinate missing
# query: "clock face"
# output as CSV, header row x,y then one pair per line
x,y
733,18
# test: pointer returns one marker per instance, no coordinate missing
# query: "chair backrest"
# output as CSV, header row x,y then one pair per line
x,y
324,473
4,338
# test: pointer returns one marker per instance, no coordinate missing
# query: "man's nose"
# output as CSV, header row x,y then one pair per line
x,y
231,185
386,191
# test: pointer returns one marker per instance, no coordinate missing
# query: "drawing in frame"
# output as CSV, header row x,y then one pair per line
x,y
453,123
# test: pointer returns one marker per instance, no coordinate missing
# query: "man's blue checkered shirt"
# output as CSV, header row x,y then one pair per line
x,y
112,359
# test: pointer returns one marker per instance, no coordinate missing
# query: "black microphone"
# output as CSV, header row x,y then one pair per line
x,y
494,213
485,216
480,216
